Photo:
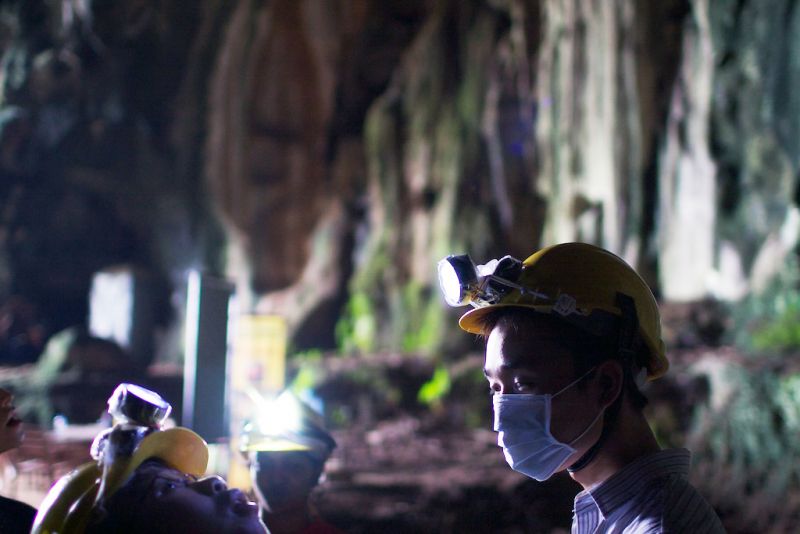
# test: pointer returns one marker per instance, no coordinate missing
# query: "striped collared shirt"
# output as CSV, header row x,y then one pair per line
x,y
649,495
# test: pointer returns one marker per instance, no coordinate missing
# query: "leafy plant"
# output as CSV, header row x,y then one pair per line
x,y
307,377
769,321
783,332
356,331
423,322
434,390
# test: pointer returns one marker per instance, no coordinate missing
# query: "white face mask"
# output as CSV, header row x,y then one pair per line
x,y
523,423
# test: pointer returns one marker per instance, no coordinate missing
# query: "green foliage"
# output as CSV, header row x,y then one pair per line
x,y
769,322
423,320
356,331
434,390
746,447
416,322
783,333
309,374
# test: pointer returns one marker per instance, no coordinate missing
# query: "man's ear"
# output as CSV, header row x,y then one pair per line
x,y
609,379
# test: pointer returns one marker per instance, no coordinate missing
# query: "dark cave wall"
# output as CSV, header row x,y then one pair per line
x,y
326,154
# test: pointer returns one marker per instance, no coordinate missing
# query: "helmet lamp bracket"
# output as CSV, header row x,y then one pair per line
x,y
463,282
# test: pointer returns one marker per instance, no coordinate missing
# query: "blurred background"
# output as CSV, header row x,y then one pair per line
x,y
203,196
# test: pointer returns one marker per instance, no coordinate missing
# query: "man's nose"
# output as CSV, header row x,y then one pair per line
x,y
210,485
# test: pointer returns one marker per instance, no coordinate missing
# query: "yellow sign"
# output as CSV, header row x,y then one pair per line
x,y
258,362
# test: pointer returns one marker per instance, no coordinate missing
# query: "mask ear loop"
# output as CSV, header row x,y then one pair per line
x,y
629,325
576,381
588,428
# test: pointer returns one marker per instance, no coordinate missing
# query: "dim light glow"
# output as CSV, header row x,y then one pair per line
x,y
190,341
111,306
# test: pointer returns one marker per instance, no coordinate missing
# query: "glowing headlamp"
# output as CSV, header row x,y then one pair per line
x,y
285,423
281,415
458,278
463,282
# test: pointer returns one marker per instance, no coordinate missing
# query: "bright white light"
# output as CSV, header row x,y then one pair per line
x,y
450,284
280,415
190,342
111,306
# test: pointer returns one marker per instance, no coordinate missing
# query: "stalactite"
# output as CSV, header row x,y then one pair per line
x,y
423,146
687,186
265,149
588,126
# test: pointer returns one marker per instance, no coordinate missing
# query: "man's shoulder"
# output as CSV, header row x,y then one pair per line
x,y
666,504
671,504
651,495
685,509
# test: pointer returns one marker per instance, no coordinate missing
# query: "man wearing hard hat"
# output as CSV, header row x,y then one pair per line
x,y
145,479
286,447
571,333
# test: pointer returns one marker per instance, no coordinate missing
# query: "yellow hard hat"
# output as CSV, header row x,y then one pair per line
x,y
67,507
572,280
286,423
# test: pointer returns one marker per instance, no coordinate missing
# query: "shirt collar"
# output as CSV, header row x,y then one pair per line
x,y
631,479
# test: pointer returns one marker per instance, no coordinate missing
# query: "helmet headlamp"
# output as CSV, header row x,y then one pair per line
x,y
463,282
137,435
583,284
458,279
285,423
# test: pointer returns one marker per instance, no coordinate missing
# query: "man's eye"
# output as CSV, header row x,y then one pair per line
x,y
165,487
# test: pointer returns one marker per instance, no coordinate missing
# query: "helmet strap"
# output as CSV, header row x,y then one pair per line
x,y
628,327
609,421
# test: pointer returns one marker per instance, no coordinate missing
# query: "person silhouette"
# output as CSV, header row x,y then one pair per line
x,y
286,448
571,334
15,516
